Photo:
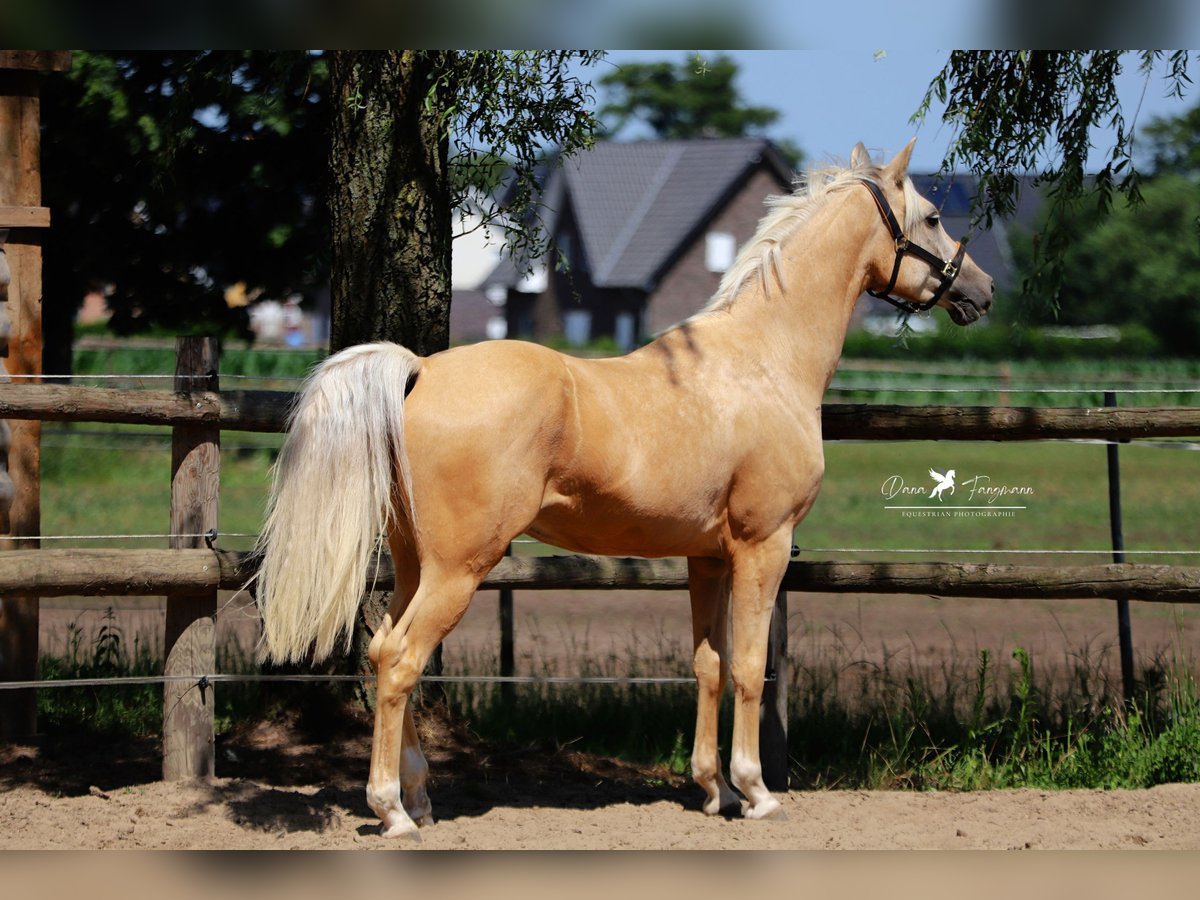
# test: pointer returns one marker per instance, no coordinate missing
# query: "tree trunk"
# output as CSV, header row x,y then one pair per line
x,y
390,217
389,201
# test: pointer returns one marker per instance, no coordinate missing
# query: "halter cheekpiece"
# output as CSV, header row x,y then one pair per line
x,y
947,269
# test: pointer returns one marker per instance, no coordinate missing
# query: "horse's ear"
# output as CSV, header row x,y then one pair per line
x,y
859,156
897,169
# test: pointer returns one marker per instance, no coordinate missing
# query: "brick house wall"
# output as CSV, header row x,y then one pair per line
x,y
688,284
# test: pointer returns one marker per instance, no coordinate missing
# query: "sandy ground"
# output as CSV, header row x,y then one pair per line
x,y
249,815
274,790
289,795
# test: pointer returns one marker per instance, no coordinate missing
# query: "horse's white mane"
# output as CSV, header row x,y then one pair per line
x,y
760,255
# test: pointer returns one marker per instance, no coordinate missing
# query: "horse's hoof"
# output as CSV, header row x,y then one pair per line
x,y
769,809
424,820
406,831
730,809
725,806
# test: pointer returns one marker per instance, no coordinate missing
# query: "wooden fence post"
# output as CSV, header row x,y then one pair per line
x,y
191,617
773,714
21,209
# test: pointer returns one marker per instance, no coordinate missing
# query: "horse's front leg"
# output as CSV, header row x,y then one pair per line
x,y
757,572
708,584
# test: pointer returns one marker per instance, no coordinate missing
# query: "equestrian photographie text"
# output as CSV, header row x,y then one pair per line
x,y
946,494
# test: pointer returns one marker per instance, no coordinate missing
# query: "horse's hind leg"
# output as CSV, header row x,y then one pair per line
x,y
414,771
399,658
708,583
757,572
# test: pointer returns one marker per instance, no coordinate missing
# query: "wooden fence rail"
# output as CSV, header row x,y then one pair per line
x,y
266,411
57,573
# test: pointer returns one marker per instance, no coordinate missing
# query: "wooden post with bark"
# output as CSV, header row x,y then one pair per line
x,y
190,646
21,212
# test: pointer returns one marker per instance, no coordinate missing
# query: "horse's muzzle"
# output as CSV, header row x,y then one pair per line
x,y
964,310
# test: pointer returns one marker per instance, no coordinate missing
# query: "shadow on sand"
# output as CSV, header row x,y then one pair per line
x,y
273,777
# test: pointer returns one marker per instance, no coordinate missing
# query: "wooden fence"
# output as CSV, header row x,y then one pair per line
x,y
266,411
190,575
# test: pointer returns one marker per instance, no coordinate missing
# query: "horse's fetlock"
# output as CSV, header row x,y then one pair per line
x,y
383,798
745,772
705,769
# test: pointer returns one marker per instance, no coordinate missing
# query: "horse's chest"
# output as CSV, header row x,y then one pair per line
x,y
776,482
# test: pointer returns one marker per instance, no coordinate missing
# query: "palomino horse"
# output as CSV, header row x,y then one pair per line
x,y
705,444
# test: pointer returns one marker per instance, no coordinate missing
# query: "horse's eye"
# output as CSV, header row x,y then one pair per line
x,y
932,220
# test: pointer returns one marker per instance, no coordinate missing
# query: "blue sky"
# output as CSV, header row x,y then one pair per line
x,y
829,99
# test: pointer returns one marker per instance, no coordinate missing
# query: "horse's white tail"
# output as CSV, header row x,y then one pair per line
x,y
332,497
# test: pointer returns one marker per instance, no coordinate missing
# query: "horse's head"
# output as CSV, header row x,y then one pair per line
x,y
917,261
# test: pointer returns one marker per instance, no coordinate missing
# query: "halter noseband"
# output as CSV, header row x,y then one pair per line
x,y
947,269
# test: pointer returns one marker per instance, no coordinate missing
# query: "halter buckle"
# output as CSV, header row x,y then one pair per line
x,y
901,243
949,270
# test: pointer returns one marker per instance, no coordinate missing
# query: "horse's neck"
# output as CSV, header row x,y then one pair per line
x,y
796,332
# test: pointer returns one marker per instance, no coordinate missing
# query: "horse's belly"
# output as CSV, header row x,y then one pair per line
x,y
602,526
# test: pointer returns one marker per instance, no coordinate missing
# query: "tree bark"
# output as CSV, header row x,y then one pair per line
x,y
389,201
390,217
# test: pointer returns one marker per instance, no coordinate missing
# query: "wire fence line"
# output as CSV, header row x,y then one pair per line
x,y
207,535
213,537
861,367
65,439
1008,389
155,376
203,681
931,550
1002,385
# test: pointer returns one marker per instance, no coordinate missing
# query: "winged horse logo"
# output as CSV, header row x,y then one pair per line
x,y
944,482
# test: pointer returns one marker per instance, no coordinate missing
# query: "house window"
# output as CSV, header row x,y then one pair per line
x,y
497,294
497,328
720,247
624,331
577,326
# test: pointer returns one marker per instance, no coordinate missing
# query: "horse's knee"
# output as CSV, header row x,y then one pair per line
x,y
747,680
706,665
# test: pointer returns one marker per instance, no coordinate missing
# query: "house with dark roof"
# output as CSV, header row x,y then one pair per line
x,y
642,233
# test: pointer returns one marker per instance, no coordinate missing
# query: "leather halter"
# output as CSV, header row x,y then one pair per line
x,y
947,269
